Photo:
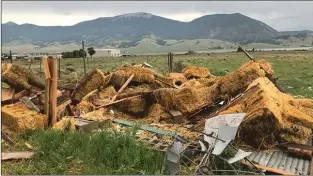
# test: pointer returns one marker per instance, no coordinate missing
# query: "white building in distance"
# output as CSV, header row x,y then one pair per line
x,y
107,53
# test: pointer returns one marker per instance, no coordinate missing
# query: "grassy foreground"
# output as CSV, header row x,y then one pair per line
x,y
76,153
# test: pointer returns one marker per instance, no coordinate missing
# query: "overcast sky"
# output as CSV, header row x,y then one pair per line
x,y
283,15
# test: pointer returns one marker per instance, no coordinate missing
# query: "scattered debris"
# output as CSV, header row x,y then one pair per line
x,y
247,100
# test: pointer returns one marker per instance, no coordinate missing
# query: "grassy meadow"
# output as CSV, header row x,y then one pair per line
x,y
110,153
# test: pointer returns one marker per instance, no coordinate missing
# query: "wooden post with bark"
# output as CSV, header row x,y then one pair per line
x,y
53,89
170,62
47,85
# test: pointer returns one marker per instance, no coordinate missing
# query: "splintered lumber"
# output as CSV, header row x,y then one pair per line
x,y
53,89
7,138
246,53
19,77
20,94
16,155
18,118
7,94
122,88
124,99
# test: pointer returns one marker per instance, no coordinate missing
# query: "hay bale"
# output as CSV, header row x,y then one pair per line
x,y
107,93
270,117
186,99
86,104
158,113
141,75
135,106
196,72
19,77
66,124
94,80
18,118
177,78
234,83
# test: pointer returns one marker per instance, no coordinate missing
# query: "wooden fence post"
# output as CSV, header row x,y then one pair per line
x,y
83,45
170,62
11,57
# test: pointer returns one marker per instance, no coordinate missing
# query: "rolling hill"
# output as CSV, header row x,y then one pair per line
x,y
132,30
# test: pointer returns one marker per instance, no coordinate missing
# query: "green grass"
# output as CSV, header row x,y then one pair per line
x,y
76,153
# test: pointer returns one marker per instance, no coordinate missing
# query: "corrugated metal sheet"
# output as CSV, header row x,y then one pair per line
x,y
282,161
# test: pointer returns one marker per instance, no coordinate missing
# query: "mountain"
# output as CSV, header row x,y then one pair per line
x,y
136,26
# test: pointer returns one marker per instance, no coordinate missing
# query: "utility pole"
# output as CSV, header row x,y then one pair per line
x,y
83,44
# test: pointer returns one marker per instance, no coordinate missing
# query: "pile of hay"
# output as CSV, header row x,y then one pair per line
x,y
18,118
66,124
236,82
158,113
272,116
94,80
186,100
141,75
196,72
135,106
107,93
101,115
177,78
19,77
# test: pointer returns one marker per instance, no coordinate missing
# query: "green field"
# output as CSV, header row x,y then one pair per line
x,y
292,68
103,153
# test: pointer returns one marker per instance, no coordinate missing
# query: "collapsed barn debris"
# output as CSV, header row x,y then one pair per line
x,y
140,94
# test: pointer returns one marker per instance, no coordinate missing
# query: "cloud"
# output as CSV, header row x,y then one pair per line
x,y
281,15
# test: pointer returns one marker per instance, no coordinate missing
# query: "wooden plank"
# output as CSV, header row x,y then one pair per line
x,y
7,94
20,94
267,168
53,68
123,87
16,155
46,67
247,54
63,105
124,99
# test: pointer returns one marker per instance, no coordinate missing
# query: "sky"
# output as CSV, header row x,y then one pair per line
x,y
281,15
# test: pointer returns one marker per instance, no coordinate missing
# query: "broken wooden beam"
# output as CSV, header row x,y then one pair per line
x,y
16,155
124,99
247,54
123,87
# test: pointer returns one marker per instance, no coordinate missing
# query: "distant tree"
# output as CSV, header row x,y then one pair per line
x,y
91,51
82,53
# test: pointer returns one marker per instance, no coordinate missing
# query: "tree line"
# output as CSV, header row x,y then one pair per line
x,y
79,53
